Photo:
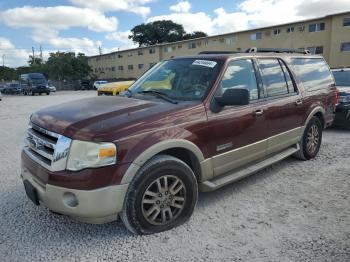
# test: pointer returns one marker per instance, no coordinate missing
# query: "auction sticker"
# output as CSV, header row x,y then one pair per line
x,y
206,63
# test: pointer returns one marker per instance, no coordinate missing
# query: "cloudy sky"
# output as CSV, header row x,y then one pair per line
x,y
84,25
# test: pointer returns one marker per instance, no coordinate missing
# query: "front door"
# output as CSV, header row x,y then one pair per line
x,y
239,133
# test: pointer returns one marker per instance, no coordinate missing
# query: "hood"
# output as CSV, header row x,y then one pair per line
x,y
104,118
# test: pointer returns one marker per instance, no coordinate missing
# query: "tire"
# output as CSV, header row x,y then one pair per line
x,y
48,93
306,151
179,200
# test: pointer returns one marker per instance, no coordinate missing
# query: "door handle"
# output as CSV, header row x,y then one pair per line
x,y
298,102
258,112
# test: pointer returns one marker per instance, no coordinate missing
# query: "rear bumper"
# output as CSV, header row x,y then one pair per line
x,y
92,206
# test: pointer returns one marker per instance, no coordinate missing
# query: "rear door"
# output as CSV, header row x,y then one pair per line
x,y
285,110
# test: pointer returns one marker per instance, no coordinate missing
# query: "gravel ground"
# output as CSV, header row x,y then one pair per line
x,y
292,211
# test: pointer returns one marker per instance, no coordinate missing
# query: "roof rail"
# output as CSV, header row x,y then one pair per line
x,y
217,52
277,50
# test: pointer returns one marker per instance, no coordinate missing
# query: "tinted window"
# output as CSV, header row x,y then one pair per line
x,y
313,72
273,77
342,77
288,78
241,74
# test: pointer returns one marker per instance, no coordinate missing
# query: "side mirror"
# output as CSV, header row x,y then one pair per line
x,y
231,97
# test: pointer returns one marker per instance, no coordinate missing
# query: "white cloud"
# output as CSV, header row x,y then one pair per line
x,y
254,13
13,56
134,6
181,7
58,17
191,21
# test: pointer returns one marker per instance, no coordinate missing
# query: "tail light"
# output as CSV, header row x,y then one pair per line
x,y
336,98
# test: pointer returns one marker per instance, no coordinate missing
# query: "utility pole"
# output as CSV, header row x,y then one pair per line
x,y
33,60
41,54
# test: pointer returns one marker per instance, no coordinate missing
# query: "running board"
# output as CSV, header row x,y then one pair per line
x,y
223,180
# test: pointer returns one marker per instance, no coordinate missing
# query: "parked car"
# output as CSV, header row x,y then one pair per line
x,y
12,89
145,155
86,85
34,83
342,80
114,88
98,84
0,96
52,88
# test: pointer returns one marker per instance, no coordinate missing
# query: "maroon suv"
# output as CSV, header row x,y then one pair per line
x,y
188,124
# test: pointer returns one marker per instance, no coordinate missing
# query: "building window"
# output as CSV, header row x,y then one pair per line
x,y
121,68
120,56
317,27
290,29
316,49
168,49
276,31
140,52
129,54
346,21
206,42
140,66
179,46
152,50
191,45
256,36
345,47
113,68
230,40
130,67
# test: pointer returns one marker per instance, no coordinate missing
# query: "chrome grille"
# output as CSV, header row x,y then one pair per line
x,y
47,148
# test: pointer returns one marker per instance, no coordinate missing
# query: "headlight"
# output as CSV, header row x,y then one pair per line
x,y
87,154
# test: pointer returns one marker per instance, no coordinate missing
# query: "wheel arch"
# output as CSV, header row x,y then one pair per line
x,y
184,150
318,112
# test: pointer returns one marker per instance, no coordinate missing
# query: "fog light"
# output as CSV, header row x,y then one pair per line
x,y
70,200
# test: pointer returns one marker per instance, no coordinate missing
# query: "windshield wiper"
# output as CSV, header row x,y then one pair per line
x,y
159,94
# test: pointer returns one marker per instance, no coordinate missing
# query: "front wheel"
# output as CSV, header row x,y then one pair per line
x,y
311,141
162,195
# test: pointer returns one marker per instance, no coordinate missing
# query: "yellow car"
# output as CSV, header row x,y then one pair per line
x,y
114,88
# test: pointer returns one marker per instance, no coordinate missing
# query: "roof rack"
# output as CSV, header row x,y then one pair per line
x,y
217,52
277,50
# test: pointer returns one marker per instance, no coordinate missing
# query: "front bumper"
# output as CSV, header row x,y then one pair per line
x,y
342,115
92,206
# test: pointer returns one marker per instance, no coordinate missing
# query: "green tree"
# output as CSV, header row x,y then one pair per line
x,y
165,31
196,34
7,73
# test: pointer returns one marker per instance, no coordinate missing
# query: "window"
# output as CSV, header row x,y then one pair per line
x,y
168,49
152,50
290,29
129,54
316,49
121,68
276,31
290,85
316,27
191,45
140,52
230,40
314,73
342,77
273,77
345,47
140,66
179,46
113,68
206,42
256,36
120,56
346,21
130,67
240,74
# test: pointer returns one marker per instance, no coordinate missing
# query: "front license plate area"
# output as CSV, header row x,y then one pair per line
x,y
31,192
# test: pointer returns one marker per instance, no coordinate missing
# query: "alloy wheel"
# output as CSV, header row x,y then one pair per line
x,y
312,139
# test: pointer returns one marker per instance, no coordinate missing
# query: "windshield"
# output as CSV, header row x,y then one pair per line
x,y
342,78
38,80
180,79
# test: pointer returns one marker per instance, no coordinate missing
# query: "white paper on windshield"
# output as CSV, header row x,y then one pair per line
x,y
206,63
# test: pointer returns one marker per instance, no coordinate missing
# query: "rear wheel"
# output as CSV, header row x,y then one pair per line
x,y
162,195
311,141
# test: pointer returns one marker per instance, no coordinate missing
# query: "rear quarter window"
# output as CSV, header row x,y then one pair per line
x,y
314,73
